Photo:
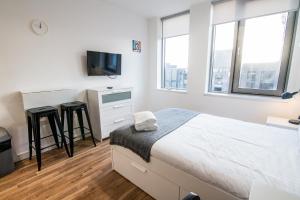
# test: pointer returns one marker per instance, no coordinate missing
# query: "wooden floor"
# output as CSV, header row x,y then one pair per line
x,y
88,175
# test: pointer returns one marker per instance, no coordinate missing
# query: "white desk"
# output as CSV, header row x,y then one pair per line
x,y
265,192
281,123
51,97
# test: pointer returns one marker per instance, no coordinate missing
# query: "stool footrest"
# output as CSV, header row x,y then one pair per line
x,y
77,128
46,137
77,136
42,148
48,146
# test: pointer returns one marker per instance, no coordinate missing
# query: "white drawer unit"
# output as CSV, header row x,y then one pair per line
x,y
109,109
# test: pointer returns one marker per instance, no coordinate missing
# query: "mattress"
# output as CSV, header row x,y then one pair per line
x,y
232,154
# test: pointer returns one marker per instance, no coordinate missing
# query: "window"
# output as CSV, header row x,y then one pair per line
x,y
251,55
222,57
175,51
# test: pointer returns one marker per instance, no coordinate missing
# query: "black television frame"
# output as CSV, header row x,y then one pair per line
x,y
106,72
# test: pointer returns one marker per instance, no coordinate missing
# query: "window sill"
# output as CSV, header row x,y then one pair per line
x,y
248,97
172,90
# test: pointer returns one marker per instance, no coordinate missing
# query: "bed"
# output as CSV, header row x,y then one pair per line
x,y
217,158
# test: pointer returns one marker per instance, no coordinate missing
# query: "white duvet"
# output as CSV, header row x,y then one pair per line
x,y
232,154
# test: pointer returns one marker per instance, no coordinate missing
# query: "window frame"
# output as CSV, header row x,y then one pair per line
x,y
234,77
163,49
233,55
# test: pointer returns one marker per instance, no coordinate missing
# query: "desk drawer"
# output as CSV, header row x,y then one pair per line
x,y
117,119
117,110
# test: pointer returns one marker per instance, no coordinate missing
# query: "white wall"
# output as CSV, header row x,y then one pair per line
x,y
248,109
57,60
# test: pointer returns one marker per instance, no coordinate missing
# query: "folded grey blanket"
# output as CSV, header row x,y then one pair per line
x,y
141,142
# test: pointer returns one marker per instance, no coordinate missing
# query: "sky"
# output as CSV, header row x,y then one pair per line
x,y
263,38
177,51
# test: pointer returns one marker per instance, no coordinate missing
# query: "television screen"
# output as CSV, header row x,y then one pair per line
x,y
102,63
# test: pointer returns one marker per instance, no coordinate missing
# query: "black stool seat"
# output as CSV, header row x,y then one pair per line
x,y
33,121
41,110
69,109
73,105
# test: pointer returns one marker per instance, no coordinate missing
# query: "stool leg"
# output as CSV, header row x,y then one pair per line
x,y
70,130
37,139
53,129
56,117
80,121
29,126
89,123
62,115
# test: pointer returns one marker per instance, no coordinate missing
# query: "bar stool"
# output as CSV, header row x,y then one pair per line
x,y
77,107
33,122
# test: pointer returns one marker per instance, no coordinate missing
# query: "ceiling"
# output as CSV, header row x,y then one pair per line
x,y
155,8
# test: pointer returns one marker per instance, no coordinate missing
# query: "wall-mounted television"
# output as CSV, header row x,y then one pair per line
x,y
103,64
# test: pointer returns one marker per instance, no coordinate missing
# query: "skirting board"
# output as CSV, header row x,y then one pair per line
x,y
161,180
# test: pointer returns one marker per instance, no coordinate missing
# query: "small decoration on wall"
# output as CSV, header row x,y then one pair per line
x,y
136,46
39,27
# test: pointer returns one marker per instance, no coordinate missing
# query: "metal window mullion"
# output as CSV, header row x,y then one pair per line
x,y
238,57
286,52
234,56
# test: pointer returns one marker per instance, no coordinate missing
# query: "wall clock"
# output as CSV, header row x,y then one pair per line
x,y
39,27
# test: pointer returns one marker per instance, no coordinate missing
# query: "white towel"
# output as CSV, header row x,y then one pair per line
x,y
146,127
145,121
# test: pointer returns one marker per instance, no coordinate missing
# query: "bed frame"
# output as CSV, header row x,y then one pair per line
x,y
161,180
